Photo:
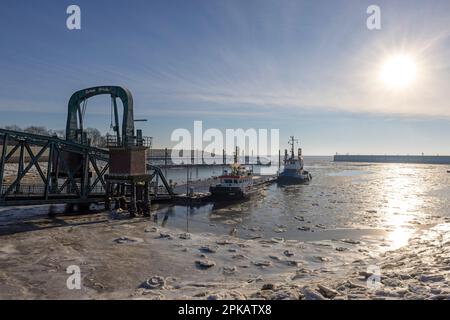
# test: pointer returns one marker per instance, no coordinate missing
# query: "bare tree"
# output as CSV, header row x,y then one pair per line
x,y
13,128
93,134
61,134
37,130
97,140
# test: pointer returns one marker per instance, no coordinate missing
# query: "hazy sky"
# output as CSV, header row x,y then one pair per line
x,y
308,68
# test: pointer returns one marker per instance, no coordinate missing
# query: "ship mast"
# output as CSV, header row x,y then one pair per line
x,y
292,142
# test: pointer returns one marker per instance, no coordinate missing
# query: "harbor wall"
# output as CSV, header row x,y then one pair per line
x,y
393,159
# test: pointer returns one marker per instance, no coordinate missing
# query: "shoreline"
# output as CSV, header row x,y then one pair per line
x,y
138,259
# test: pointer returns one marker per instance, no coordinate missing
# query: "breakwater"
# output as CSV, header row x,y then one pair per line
x,y
419,159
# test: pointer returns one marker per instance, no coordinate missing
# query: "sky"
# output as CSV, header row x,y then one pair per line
x,y
308,68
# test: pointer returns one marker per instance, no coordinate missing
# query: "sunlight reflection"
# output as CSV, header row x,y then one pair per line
x,y
402,204
399,237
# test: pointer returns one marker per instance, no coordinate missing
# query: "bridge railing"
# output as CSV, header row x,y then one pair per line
x,y
112,141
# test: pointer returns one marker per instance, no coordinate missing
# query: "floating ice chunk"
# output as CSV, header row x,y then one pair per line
x,y
205,264
155,282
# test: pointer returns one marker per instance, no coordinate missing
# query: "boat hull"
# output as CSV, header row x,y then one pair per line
x,y
227,193
285,179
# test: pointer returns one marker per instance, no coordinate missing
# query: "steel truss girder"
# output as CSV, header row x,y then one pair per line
x,y
81,187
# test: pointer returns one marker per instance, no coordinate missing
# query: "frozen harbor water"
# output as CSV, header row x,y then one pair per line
x,y
352,224
392,201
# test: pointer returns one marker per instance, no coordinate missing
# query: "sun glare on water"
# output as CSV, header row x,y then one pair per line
x,y
399,71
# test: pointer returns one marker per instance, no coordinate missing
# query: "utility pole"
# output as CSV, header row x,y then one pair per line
x,y
187,180
279,161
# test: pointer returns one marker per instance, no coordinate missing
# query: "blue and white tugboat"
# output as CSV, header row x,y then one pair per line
x,y
293,172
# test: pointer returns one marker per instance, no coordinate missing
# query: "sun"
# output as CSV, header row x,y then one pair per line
x,y
398,71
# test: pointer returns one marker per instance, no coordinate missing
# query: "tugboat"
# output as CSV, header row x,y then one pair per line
x,y
234,185
293,172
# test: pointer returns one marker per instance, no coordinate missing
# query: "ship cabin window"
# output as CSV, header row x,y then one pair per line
x,y
228,181
235,181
